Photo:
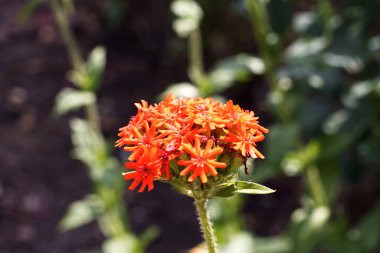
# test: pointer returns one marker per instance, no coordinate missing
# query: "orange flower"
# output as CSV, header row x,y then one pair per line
x,y
160,134
178,134
136,140
146,169
244,139
202,161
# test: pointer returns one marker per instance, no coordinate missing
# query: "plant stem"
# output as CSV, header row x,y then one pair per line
x,y
261,29
208,232
114,218
316,186
196,70
92,114
327,12
68,38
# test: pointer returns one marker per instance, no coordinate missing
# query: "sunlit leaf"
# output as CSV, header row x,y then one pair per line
x,y
80,213
189,15
95,66
273,244
236,68
305,47
90,148
90,75
307,227
122,244
70,99
240,242
303,20
186,90
252,188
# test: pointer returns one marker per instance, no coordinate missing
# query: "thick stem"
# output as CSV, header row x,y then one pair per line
x,y
206,224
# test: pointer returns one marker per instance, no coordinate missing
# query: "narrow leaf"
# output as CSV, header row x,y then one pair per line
x,y
80,213
181,90
122,244
252,188
71,99
28,10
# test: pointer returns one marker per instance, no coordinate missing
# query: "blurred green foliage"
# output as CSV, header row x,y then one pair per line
x,y
105,204
321,62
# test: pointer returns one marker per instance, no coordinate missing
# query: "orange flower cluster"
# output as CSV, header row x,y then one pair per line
x,y
190,132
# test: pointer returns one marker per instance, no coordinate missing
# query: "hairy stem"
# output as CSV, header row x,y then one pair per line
x,y
208,232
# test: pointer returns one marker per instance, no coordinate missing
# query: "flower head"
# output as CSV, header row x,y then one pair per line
x,y
185,138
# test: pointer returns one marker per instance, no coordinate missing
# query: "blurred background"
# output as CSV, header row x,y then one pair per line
x,y
71,71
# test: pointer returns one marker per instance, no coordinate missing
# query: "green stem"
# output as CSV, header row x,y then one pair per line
x,y
261,30
327,12
68,38
208,232
316,186
197,73
114,222
92,114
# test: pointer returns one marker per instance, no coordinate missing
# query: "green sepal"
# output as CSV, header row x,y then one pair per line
x,y
226,192
252,188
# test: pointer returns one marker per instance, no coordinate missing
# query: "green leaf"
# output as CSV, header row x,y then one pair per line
x,y
228,191
308,224
122,244
275,244
236,68
90,75
241,242
186,90
303,47
71,99
80,213
28,10
90,148
369,229
149,235
252,188
189,16
187,9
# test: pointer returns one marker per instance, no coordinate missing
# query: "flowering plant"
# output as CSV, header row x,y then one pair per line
x,y
197,145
